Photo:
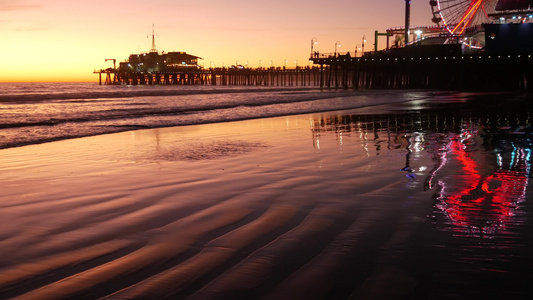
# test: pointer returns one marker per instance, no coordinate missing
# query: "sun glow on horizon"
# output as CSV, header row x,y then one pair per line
x,y
67,40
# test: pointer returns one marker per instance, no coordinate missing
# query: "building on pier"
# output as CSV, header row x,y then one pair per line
x,y
159,62
152,67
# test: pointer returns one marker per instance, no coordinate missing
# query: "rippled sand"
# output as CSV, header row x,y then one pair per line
x,y
256,209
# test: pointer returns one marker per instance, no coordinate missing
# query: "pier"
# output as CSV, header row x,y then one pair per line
x,y
476,71
437,61
306,76
494,53
372,71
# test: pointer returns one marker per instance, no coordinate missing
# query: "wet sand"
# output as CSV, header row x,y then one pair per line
x,y
268,208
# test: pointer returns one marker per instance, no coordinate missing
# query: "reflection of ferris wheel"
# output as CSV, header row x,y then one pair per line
x,y
458,15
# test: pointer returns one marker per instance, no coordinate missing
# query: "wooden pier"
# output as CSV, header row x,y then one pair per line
x,y
479,71
217,76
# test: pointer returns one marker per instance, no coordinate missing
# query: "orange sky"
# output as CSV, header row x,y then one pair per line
x,y
64,40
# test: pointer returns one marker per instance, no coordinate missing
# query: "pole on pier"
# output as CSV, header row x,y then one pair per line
x,y
407,20
313,42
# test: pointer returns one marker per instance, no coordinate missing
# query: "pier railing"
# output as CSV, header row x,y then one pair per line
x,y
337,54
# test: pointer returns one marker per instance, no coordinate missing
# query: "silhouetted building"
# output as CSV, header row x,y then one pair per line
x,y
511,38
513,4
156,62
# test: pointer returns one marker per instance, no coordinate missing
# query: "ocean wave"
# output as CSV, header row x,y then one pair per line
x,y
131,92
42,115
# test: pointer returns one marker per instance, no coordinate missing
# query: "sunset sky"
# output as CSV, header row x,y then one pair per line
x,y
65,40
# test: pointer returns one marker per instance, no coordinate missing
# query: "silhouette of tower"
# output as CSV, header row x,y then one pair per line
x,y
153,50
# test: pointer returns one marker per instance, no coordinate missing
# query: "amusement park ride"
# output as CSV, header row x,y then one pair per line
x,y
458,15
464,21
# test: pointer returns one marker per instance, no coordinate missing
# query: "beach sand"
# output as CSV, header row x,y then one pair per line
x,y
270,208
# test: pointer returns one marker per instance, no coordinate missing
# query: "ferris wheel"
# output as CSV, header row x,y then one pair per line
x,y
458,15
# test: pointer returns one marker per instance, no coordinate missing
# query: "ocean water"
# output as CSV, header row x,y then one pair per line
x,y
357,195
40,112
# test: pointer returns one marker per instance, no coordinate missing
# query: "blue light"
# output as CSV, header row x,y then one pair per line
x,y
513,156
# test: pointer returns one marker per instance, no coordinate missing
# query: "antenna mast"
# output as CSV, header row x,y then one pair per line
x,y
153,40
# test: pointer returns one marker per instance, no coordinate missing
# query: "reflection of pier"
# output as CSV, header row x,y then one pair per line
x,y
483,202
479,166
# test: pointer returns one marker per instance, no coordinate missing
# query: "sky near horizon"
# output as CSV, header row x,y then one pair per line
x,y
65,40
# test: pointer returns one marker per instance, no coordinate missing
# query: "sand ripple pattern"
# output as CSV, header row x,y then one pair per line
x,y
302,207
266,240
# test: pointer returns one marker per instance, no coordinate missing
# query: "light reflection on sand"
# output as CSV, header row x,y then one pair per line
x,y
301,207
